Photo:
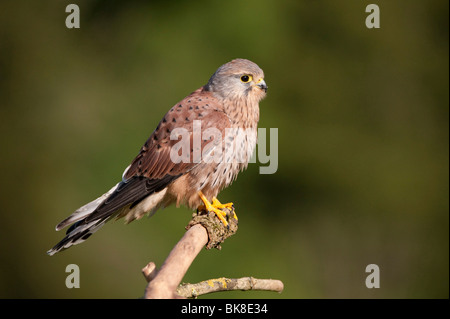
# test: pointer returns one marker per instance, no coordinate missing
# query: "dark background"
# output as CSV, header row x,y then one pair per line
x,y
362,116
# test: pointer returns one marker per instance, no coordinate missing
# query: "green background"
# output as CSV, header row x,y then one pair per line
x,y
362,117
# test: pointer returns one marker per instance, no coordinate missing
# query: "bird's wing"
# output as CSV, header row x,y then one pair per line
x,y
154,159
154,168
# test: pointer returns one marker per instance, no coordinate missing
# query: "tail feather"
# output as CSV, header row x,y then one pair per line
x,y
80,230
78,233
85,210
131,198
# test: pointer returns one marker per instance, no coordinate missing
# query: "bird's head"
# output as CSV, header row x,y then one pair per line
x,y
238,79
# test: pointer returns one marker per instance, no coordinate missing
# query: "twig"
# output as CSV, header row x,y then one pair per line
x,y
149,271
227,284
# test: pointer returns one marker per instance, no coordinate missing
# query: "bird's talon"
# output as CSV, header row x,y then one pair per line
x,y
217,207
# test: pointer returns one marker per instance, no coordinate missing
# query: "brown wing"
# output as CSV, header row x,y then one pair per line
x,y
153,169
154,160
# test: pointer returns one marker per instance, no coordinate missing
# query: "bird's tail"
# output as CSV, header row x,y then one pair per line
x,y
77,233
135,196
81,229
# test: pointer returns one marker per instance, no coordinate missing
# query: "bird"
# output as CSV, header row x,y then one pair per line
x,y
219,124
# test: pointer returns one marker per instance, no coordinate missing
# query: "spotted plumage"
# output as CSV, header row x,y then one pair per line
x,y
228,106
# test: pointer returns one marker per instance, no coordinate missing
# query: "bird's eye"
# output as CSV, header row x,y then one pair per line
x,y
246,78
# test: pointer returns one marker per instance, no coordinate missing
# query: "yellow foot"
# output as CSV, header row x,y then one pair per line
x,y
217,207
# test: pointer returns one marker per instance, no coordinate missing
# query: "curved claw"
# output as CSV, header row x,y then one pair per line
x,y
217,207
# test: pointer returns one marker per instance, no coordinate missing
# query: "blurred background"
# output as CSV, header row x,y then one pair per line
x,y
362,117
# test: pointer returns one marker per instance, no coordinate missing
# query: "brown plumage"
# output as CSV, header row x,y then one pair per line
x,y
216,118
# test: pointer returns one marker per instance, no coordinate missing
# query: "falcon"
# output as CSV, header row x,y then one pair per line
x,y
227,105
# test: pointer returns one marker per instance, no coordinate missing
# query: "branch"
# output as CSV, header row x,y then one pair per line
x,y
226,284
204,230
164,283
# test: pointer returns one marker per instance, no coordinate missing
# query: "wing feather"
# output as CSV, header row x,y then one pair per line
x,y
154,160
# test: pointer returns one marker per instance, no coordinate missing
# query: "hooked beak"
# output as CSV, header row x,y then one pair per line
x,y
262,85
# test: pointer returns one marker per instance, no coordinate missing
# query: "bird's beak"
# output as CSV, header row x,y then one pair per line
x,y
262,84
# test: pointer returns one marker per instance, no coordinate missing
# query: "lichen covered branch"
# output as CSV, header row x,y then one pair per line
x,y
227,284
204,230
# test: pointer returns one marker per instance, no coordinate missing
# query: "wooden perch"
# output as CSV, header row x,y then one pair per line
x,y
227,284
164,283
204,230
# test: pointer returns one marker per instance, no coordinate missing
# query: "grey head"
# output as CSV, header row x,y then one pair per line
x,y
238,79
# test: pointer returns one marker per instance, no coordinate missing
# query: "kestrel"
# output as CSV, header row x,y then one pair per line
x,y
216,118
